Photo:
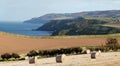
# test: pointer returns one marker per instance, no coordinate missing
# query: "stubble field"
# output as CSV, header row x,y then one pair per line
x,y
20,44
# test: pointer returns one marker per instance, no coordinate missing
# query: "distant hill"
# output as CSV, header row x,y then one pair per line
x,y
95,14
36,21
82,26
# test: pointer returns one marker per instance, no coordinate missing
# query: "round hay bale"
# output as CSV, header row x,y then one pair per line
x,y
93,55
60,58
26,58
36,59
88,51
99,52
32,60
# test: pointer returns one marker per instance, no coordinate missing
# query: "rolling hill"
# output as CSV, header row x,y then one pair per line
x,y
56,16
81,26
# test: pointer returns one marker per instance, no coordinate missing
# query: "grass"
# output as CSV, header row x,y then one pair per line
x,y
83,49
60,37
109,20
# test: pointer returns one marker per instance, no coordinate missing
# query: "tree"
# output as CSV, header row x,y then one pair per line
x,y
112,43
14,55
32,53
6,56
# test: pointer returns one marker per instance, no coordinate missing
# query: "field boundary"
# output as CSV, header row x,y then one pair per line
x,y
60,37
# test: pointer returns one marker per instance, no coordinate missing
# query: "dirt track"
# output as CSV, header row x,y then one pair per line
x,y
11,43
106,59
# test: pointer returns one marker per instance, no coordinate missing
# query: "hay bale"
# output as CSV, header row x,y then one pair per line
x,y
36,59
26,58
60,58
32,60
88,51
99,53
94,55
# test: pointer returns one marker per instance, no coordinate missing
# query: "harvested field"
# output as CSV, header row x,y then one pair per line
x,y
19,44
112,25
106,59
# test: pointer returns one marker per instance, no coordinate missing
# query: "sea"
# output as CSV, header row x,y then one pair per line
x,y
26,29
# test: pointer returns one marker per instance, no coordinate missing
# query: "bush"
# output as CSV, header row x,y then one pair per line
x,y
6,56
54,52
112,43
76,50
14,55
22,59
32,53
102,48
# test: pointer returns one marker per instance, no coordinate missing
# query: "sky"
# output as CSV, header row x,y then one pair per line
x,y
20,10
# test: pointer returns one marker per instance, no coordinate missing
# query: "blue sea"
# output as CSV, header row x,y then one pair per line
x,y
22,29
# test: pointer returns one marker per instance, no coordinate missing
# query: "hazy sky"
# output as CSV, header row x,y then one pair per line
x,y
20,10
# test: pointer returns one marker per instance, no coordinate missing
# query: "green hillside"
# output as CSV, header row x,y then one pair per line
x,y
81,26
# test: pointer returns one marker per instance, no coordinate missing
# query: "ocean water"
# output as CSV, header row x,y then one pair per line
x,y
22,29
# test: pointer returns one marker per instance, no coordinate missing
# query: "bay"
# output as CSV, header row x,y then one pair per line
x,y
22,29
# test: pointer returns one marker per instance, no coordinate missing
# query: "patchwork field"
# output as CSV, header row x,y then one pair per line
x,y
20,44
106,59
